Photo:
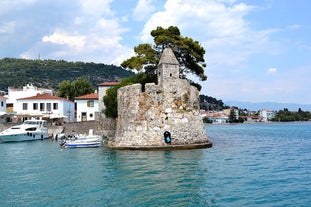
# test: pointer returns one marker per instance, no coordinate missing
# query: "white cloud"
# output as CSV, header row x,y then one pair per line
x,y
143,9
272,70
73,41
221,28
96,7
109,27
92,34
294,27
216,23
211,14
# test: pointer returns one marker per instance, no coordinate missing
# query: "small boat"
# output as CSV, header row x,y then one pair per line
x,y
81,141
28,131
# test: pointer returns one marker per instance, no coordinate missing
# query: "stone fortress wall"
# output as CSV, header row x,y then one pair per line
x,y
172,105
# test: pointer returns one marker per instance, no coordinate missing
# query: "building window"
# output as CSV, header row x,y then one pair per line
x,y
35,106
55,106
2,104
42,107
90,103
25,106
49,107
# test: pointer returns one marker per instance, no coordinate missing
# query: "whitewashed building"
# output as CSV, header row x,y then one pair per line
x,y
267,115
87,107
18,93
45,106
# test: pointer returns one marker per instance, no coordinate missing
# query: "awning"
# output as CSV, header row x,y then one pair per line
x,y
56,116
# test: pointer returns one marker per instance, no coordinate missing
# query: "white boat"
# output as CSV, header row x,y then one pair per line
x,y
28,131
81,141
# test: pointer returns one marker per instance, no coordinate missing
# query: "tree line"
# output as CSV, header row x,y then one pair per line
x,y
286,116
16,72
211,103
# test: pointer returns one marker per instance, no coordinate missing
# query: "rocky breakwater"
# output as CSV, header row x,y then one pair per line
x,y
162,116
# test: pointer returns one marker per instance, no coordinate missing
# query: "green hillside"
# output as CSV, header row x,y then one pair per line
x,y
16,72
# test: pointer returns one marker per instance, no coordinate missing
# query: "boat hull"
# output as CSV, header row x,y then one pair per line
x,y
82,142
81,145
23,137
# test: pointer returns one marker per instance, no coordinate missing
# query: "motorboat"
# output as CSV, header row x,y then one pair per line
x,y
81,141
28,131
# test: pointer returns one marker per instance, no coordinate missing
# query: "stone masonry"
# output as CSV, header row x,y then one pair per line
x,y
172,105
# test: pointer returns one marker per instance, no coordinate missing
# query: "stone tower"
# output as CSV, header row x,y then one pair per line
x,y
168,68
171,107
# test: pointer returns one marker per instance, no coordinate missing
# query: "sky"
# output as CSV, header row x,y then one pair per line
x,y
256,50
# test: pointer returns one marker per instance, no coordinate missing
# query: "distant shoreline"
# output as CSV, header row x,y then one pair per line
x,y
268,122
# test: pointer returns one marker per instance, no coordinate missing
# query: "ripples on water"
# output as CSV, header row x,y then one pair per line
x,y
249,165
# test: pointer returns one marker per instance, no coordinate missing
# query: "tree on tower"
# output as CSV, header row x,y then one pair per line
x,y
189,53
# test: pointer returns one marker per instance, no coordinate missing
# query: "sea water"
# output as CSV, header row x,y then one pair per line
x,y
249,165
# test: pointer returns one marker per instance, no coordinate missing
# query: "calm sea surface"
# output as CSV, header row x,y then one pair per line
x,y
249,165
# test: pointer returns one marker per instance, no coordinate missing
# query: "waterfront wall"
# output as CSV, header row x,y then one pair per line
x,y
104,127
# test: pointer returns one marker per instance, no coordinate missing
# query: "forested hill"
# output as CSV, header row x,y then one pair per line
x,y
16,72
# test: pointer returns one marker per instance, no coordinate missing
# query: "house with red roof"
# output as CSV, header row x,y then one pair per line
x,y
45,106
26,91
90,104
86,106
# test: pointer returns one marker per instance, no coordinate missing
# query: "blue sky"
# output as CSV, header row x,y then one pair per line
x,y
256,50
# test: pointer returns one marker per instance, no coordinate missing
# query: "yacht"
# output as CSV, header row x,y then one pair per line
x,y
29,130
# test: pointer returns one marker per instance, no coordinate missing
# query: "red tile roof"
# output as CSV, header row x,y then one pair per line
x,y
108,84
44,96
88,96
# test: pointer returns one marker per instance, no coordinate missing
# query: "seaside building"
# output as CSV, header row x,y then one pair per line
x,y
45,106
233,110
267,115
87,107
26,91
215,117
